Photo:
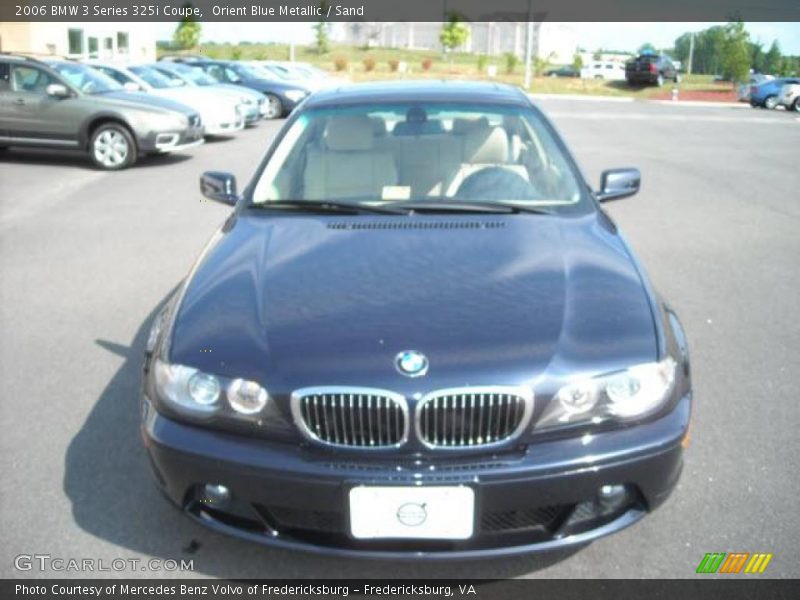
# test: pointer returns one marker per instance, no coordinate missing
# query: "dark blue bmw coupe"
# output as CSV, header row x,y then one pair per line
x,y
417,335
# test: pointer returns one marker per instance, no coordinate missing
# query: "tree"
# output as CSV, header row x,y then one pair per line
x,y
736,56
772,59
454,33
322,40
187,34
647,48
577,62
756,56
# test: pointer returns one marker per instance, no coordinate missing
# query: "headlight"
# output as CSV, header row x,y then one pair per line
x,y
296,95
629,394
247,397
186,388
247,101
166,121
195,393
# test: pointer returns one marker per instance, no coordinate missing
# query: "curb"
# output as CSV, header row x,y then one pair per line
x,y
628,99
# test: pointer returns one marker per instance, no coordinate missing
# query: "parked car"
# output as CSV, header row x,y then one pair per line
x,y
282,97
64,104
397,340
651,69
306,75
789,97
765,94
743,91
193,77
611,71
566,71
221,115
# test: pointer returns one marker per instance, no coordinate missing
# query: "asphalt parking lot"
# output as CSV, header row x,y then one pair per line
x,y
86,258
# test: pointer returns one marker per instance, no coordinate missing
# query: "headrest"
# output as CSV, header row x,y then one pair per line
x,y
349,133
461,126
416,114
486,146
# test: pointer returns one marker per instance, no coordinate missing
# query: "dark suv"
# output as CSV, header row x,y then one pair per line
x,y
64,104
649,69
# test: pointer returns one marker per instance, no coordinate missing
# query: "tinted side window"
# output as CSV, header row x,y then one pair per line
x,y
4,74
216,72
30,79
114,74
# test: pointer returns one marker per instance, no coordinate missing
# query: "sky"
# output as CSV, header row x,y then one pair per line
x,y
611,36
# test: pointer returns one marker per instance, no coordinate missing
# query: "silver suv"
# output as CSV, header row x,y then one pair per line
x,y
65,104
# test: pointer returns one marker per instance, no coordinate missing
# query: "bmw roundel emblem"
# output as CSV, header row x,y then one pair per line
x,y
412,363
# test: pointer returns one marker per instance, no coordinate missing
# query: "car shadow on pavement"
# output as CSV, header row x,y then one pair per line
x,y
77,159
108,482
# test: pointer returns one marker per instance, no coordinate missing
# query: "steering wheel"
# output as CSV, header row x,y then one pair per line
x,y
496,183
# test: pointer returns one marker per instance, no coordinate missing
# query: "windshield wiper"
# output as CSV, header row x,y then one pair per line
x,y
462,206
351,208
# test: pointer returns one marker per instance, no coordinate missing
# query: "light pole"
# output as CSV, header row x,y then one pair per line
x,y
528,48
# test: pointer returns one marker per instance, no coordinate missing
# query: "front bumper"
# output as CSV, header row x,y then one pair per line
x,y
171,141
225,126
534,499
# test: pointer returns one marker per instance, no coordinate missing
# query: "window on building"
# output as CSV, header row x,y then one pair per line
x,y
123,42
94,49
75,41
108,45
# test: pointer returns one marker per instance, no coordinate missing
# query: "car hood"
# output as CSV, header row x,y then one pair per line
x,y
229,88
145,101
295,301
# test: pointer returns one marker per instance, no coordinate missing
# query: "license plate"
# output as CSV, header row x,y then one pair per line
x,y
441,513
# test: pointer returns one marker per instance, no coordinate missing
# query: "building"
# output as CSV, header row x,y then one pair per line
x,y
115,41
556,42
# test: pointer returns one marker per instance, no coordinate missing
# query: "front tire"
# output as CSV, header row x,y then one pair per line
x,y
112,147
771,102
796,104
274,107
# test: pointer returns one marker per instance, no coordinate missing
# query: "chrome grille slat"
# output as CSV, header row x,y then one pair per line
x,y
473,416
351,417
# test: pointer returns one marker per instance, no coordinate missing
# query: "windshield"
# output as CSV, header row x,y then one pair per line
x,y
249,72
383,153
86,79
157,79
193,74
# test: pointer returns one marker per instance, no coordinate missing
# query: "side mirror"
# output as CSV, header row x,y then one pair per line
x,y
131,87
618,183
57,90
219,187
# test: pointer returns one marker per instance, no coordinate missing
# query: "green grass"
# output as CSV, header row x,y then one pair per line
x,y
349,61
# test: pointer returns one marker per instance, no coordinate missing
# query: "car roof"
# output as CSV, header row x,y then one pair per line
x,y
384,92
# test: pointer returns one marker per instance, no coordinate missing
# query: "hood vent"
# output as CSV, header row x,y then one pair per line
x,y
400,224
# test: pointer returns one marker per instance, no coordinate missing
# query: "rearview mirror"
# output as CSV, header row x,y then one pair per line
x,y
57,90
131,86
219,187
618,183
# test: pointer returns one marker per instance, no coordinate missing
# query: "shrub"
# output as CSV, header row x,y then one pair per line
x,y
394,65
340,63
369,63
482,60
511,62
427,63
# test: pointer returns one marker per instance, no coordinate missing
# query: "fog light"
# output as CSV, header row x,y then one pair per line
x,y
612,496
215,494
